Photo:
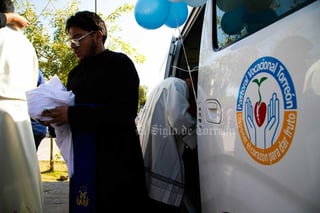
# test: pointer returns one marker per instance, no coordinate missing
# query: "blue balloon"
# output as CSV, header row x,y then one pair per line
x,y
151,14
178,14
258,20
232,22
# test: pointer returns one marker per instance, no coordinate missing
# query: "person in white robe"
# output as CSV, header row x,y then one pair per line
x,y
165,128
20,180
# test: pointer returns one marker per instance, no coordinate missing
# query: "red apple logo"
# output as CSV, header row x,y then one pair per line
x,y
260,108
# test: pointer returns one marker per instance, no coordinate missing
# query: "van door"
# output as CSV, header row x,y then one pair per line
x,y
258,102
183,61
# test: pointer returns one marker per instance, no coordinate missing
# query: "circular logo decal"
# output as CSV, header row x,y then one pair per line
x,y
267,110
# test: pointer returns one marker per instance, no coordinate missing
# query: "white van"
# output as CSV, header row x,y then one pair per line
x,y
258,95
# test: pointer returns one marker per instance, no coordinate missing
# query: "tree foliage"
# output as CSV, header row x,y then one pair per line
x,y
142,96
52,45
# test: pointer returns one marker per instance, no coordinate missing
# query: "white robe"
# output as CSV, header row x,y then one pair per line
x,y
20,181
165,126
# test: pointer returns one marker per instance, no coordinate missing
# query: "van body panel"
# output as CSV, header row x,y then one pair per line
x,y
237,175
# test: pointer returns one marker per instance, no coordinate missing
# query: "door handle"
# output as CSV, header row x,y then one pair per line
x,y
213,111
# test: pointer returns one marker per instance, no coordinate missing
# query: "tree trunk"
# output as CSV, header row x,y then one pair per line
x,y
51,155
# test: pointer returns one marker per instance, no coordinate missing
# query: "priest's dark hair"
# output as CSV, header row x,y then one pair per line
x,y
6,6
88,21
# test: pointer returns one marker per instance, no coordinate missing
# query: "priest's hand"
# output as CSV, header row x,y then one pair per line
x,y
59,116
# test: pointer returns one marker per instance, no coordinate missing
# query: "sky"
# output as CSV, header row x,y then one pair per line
x,y
153,43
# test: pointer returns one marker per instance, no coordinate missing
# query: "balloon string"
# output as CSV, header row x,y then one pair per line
x,y
188,66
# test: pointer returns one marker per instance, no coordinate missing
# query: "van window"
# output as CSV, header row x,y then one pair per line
x,y
236,19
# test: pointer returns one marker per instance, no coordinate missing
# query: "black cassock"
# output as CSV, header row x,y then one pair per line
x,y
108,163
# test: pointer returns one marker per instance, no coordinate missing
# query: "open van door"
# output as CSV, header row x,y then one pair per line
x,y
182,61
183,56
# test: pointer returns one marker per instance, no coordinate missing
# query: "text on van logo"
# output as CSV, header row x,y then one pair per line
x,y
267,110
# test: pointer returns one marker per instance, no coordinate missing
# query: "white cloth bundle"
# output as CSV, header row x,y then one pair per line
x,y
48,96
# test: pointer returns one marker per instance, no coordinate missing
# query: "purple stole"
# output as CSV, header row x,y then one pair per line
x,y
82,197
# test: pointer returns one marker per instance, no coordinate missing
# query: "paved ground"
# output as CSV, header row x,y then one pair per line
x,y
44,149
56,194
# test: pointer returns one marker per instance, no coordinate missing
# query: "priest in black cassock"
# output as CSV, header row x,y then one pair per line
x,y
108,164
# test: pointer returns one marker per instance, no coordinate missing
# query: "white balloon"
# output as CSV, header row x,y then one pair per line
x,y
195,3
